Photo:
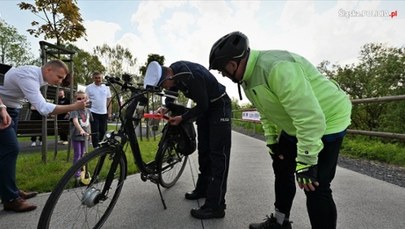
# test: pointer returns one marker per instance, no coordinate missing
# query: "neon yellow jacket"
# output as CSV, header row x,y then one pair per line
x,y
292,95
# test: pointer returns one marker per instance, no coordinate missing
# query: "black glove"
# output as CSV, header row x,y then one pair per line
x,y
306,175
274,150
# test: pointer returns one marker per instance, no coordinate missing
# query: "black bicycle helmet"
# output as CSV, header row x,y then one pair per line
x,y
233,46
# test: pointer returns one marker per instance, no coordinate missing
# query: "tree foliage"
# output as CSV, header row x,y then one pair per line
x,y
152,57
379,72
117,60
84,65
14,48
62,20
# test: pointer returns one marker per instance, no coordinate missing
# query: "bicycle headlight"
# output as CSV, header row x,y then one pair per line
x,y
108,134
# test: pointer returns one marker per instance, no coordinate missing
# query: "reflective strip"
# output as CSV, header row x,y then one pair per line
x,y
213,100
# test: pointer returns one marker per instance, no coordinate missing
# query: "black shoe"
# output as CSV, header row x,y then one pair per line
x,y
207,213
195,195
270,223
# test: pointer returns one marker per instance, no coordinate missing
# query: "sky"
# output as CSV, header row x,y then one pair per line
x,y
185,30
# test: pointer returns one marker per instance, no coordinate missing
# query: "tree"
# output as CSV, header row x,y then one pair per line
x,y
62,20
84,65
115,59
380,72
152,57
14,48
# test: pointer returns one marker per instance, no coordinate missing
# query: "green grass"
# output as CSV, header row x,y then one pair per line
x,y
33,174
374,149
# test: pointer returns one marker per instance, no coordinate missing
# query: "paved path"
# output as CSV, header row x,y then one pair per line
x,y
363,202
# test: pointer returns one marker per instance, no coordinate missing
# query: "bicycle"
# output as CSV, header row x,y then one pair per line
x,y
90,205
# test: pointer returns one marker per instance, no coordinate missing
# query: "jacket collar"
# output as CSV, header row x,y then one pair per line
x,y
250,64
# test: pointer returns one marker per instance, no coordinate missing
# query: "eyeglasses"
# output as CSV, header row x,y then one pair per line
x,y
79,98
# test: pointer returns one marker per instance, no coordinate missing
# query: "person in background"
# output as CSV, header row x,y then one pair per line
x,y
20,84
35,115
312,113
100,98
213,113
79,131
63,100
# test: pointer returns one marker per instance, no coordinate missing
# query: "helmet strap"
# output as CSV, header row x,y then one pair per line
x,y
233,76
240,94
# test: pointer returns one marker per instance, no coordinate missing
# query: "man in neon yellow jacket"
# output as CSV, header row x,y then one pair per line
x,y
311,112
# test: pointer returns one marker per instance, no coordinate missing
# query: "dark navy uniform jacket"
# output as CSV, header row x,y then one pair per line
x,y
201,86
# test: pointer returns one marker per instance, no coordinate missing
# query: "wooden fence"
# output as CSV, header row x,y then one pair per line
x,y
398,136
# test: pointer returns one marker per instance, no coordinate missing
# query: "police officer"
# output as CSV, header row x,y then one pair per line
x,y
213,114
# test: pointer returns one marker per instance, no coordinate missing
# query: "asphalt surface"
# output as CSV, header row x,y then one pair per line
x,y
362,201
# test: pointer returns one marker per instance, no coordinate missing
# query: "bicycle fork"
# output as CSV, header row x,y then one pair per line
x,y
93,196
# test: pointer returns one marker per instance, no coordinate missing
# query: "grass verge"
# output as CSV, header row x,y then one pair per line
x,y
33,174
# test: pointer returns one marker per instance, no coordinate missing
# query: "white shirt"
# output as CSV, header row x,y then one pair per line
x,y
98,96
24,83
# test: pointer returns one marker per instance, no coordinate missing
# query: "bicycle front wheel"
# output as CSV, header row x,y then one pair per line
x,y
75,205
170,164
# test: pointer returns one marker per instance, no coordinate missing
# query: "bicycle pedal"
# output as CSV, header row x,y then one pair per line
x,y
144,177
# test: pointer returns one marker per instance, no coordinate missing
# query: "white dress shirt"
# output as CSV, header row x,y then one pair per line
x,y
24,83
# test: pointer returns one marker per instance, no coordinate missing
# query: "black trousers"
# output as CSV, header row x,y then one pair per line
x,y
63,136
35,115
98,128
214,147
320,204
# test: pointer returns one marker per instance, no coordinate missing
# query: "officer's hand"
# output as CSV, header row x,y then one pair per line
x,y
176,120
275,151
307,176
161,110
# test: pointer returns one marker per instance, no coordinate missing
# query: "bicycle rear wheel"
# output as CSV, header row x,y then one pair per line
x,y
170,164
79,206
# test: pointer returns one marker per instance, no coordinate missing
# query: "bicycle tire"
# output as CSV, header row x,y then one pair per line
x,y
170,164
69,206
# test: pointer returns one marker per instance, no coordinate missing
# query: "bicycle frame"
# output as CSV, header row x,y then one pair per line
x,y
130,114
108,164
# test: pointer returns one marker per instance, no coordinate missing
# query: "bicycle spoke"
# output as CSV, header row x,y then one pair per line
x,y
170,165
85,206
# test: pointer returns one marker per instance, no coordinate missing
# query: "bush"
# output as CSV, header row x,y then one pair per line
x,y
374,149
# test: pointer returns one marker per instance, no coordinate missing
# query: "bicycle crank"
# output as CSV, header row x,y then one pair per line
x,y
152,177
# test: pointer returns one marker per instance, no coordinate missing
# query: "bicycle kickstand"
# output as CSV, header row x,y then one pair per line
x,y
161,197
